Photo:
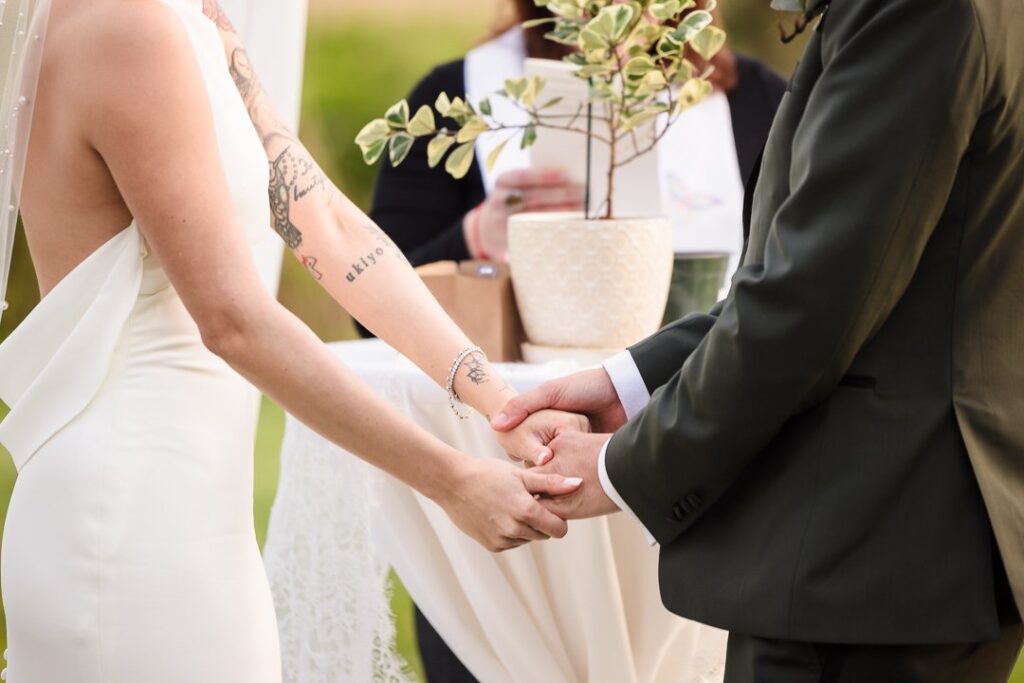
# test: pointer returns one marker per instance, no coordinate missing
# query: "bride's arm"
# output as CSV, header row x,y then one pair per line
x,y
359,265
144,109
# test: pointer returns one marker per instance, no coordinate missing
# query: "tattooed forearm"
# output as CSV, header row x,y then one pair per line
x,y
242,73
476,368
372,258
292,177
280,201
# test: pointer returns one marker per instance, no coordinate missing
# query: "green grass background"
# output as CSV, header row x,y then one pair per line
x,y
356,65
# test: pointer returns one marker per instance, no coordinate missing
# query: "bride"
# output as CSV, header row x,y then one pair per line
x,y
129,552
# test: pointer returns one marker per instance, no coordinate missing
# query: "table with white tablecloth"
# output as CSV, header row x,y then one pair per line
x,y
583,608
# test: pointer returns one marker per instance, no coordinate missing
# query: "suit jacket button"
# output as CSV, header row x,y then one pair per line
x,y
678,513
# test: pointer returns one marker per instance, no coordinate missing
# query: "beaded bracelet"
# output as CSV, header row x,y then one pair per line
x,y
453,396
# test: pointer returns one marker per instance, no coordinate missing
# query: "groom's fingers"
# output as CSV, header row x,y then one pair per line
x,y
522,406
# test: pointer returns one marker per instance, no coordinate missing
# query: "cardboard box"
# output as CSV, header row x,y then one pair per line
x,y
478,296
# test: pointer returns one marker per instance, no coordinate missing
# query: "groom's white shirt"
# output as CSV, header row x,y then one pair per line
x,y
633,395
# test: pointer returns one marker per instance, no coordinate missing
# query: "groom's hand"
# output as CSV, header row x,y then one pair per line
x,y
589,393
576,455
529,441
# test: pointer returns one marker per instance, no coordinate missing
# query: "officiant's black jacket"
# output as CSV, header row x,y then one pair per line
x,y
827,455
422,208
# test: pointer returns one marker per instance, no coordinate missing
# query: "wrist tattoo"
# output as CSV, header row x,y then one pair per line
x,y
476,368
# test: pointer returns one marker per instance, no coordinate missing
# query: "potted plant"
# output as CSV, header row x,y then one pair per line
x,y
596,282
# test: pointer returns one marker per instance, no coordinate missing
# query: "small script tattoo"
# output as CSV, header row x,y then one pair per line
x,y
365,263
476,368
310,263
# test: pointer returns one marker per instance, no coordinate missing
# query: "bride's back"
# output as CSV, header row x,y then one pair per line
x,y
70,202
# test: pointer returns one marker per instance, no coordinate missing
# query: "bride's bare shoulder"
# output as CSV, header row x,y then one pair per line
x,y
119,34
118,59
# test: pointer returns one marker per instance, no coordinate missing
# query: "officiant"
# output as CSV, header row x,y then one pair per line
x,y
434,217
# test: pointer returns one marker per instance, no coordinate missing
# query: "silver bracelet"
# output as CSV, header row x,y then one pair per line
x,y
453,396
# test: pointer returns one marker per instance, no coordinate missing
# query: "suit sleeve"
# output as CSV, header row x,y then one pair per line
x,y
660,356
874,160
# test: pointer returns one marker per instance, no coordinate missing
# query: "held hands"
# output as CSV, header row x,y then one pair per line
x,y
577,455
569,450
529,441
494,503
589,393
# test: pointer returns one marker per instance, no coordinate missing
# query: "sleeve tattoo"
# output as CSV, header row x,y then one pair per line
x,y
294,176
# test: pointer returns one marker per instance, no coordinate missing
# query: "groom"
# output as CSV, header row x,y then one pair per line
x,y
832,460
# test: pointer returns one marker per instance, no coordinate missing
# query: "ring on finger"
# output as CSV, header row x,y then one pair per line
x,y
515,199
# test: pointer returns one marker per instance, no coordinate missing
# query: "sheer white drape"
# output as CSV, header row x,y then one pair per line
x,y
22,35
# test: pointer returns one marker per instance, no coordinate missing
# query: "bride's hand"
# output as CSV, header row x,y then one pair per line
x,y
493,503
529,441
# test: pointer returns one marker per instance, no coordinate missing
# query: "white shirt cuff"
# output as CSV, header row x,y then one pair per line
x,y
609,490
628,383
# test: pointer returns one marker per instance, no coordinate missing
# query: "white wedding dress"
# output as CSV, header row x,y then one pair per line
x,y
129,553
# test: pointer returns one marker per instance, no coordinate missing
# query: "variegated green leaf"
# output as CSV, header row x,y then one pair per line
x,y
533,88
437,147
460,161
708,42
443,104
529,137
398,115
472,130
373,151
692,92
515,87
492,158
691,25
373,132
532,23
423,123
400,145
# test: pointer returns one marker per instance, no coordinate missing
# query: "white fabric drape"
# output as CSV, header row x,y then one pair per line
x,y
585,609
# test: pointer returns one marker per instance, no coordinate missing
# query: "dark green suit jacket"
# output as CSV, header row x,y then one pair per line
x,y
826,455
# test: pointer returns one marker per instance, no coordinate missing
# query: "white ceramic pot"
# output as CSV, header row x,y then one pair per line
x,y
589,284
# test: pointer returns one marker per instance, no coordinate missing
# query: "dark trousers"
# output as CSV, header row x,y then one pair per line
x,y
439,662
761,660
764,660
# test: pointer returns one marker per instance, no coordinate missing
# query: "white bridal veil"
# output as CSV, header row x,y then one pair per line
x,y
22,30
